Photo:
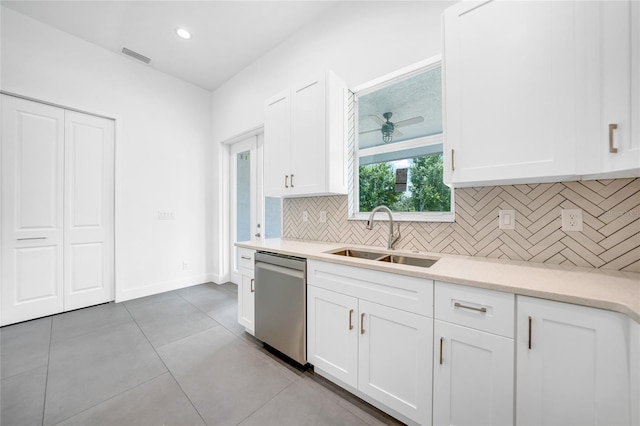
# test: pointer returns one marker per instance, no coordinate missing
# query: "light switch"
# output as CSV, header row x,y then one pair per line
x,y
507,219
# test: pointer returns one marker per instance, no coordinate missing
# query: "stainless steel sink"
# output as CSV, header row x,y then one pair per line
x,y
423,262
409,260
360,254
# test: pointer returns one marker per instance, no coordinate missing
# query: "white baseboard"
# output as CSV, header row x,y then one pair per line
x,y
160,287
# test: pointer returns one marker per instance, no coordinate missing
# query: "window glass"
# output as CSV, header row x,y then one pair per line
x,y
399,146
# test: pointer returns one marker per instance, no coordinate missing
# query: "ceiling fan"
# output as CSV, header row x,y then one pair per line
x,y
390,129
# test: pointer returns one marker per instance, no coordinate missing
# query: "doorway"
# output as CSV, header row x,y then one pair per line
x,y
245,194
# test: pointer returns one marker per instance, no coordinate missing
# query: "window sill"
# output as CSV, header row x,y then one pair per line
x,y
409,217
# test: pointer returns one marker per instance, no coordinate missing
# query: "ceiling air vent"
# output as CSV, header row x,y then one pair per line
x,y
136,55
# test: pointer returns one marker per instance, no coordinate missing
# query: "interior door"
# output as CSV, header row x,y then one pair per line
x,y
32,209
245,196
89,210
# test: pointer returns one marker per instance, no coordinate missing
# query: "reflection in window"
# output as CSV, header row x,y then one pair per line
x,y
399,145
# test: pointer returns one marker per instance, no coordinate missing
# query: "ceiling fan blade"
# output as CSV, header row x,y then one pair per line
x,y
370,131
377,119
408,122
397,132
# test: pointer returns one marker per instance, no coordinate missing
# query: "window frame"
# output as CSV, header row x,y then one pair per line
x,y
386,80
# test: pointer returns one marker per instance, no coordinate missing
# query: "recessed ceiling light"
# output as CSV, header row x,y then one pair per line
x,y
183,33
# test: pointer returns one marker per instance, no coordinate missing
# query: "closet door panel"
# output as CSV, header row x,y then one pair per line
x,y
89,151
32,209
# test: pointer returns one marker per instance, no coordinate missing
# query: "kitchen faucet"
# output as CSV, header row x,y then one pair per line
x,y
392,240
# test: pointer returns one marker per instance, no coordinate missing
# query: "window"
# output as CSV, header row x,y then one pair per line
x,y
398,146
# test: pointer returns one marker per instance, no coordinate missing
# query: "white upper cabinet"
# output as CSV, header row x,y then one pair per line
x,y
305,139
510,90
611,139
539,91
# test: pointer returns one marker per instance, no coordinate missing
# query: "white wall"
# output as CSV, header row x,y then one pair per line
x,y
359,40
163,147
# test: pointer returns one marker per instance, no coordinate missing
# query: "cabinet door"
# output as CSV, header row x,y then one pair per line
x,y
332,334
32,209
277,145
510,88
246,291
308,136
395,359
617,73
472,377
572,365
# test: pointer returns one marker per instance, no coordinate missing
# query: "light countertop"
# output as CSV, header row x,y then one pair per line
x,y
599,288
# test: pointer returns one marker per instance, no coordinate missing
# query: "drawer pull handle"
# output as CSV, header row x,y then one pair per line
x,y
286,181
292,181
361,323
530,321
461,306
441,343
253,287
245,257
612,127
32,238
350,319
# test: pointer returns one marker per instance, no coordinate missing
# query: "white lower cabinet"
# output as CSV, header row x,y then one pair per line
x,y
332,335
380,352
573,365
472,377
246,289
473,356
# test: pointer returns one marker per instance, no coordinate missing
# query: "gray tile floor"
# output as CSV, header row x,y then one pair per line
x,y
177,358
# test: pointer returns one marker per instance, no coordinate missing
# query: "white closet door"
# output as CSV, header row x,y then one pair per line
x,y
89,210
32,209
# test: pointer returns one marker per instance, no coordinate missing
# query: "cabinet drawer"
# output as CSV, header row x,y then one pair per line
x,y
486,310
245,258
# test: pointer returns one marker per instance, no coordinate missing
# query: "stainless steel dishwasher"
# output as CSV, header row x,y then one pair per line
x,y
280,303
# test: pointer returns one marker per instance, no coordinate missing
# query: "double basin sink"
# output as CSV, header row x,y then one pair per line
x,y
403,259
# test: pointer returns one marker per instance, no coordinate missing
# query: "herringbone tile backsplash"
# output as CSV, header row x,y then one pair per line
x,y
610,239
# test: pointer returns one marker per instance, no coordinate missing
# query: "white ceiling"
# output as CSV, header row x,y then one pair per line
x,y
227,36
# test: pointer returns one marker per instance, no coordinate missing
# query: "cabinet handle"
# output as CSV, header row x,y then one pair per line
x,y
441,342
292,181
245,257
32,238
453,163
253,288
461,306
612,127
530,321
286,181
361,323
350,319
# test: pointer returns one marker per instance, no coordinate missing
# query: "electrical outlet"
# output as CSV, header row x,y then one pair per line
x,y
185,266
507,219
305,216
323,216
572,220
166,216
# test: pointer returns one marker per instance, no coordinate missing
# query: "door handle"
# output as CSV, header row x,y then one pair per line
x,y
530,321
441,344
361,323
253,288
350,319
257,235
612,127
292,181
286,181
